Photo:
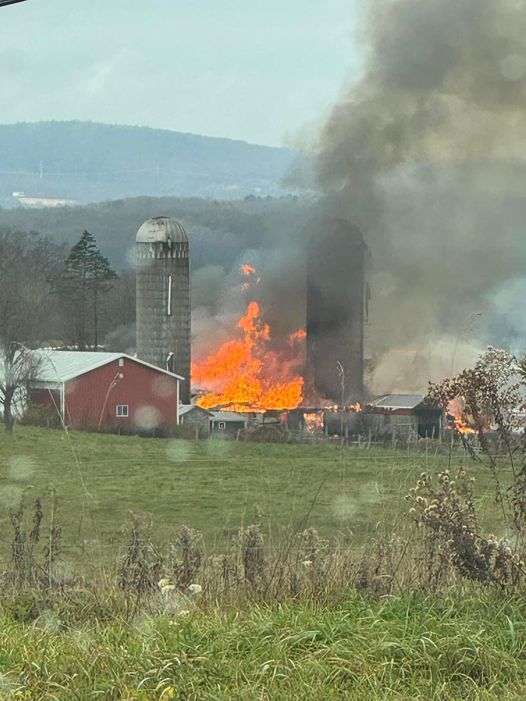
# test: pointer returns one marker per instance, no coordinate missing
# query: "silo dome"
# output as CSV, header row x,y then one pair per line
x,y
161,230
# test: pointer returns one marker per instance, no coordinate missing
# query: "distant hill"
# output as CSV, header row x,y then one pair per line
x,y
90,162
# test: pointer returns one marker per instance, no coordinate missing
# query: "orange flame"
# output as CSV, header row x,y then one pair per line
x,y
313,421
459,423
299,335
250,272
245,374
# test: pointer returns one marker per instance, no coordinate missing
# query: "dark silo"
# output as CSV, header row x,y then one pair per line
x,y
163,298
335,311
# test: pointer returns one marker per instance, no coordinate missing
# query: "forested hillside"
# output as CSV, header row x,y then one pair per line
x,y
266,232
220,231
90,162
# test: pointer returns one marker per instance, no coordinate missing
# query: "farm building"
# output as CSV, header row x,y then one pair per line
x,y
194,415
403,416
106,391
227,423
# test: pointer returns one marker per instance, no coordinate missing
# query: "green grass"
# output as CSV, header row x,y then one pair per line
x,y
84,643
469,646
213,486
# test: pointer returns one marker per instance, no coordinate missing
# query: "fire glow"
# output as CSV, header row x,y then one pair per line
x,y
247,373
251,275
459,423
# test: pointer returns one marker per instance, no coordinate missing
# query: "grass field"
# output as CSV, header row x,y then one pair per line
x,y
469,646
94,640
214,486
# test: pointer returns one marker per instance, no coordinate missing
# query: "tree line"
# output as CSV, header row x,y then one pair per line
x,y
57,297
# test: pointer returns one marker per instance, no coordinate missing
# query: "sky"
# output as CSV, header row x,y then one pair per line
x,y
261,72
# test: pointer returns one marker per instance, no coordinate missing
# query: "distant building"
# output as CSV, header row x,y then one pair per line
x,y
194,415
227,423
403,416
107,391
37,201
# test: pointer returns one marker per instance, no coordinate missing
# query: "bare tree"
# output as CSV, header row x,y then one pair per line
x,y
27,262
18,368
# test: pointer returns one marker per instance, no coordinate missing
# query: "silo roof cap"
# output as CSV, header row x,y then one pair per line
x,y
161,230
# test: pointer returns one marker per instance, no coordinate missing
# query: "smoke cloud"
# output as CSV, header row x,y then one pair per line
x,y
426,153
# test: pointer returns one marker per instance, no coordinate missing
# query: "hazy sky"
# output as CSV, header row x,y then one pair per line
x,y
258,71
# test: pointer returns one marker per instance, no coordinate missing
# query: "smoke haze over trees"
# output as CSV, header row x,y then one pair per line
x,y
264,231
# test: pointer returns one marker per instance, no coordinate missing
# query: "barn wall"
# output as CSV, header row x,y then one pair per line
x,y
231,428
91,399
197,418
400,423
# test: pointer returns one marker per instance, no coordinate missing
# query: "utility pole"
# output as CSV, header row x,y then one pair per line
x,y
341,373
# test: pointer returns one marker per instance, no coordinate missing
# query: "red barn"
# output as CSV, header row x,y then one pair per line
x,y
107,391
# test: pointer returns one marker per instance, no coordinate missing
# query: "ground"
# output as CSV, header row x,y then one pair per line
x,y
94,641
469,646
214,486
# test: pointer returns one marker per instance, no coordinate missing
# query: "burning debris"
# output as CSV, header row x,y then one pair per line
x,y
313,421
249,272
457,418
251,372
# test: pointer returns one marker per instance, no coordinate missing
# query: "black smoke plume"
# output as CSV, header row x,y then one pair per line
x,y
426,153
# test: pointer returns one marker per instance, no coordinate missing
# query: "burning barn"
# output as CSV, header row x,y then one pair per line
x,y
328,421
347,422
403,416
319,366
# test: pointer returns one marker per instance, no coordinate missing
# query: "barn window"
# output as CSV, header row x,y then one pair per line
x,y
122,410
221,424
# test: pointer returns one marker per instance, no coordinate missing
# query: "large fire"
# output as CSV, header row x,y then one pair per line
x,y
247,373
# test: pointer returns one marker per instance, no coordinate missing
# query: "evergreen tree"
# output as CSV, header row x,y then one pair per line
x,y
86,278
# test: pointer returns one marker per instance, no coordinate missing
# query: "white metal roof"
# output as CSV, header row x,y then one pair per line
x,y
57,366
227,416
398,401
185,408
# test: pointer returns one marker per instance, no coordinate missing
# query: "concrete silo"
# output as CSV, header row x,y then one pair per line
x,y
336,311
163,298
